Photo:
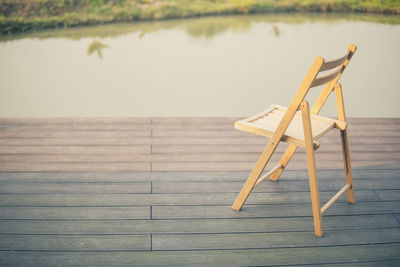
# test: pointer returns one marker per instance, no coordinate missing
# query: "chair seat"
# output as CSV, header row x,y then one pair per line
x,y
265,124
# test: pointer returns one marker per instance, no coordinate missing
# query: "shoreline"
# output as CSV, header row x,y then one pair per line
x,y
37,18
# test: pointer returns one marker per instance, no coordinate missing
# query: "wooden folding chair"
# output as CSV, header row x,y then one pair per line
x,y
300,126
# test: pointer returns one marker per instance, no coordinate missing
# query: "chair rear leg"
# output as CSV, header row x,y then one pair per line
x,y
312,172
347,165
345,144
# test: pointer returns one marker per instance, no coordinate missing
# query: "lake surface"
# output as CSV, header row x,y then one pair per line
x,y
217,66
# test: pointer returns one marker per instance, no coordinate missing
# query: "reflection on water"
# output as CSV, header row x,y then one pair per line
x,y
276,31
96,46
214,66
206,27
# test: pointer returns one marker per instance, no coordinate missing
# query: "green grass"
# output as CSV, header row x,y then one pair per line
x,y
18,16
205,27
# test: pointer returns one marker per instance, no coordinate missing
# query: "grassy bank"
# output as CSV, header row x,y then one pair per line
x,y
18,16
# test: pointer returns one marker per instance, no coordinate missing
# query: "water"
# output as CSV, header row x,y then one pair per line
x,y
216,66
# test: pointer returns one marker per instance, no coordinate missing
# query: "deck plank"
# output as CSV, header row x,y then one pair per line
x,y
75,188
74,243
100,196
274,240
260,211
74,166
158,192
154,176
282,186
73,213
255,257
64,150
191,226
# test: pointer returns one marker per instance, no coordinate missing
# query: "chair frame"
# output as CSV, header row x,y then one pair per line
x,y
312,79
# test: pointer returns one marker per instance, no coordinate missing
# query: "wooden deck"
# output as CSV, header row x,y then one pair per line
x,y
157,192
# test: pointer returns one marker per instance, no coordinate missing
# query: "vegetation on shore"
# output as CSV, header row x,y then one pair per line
x,y
18,16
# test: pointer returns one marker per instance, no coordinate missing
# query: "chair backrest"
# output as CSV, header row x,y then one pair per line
x,y
332,70
324,72
321,72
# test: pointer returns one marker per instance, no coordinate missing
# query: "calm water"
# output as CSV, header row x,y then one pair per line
x,y
223,66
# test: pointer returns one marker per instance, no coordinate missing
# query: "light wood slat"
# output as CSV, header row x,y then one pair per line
x,y
76,188
266,123
247,257
252,225
178,166
388,263
171,141
379,174
200,126
77,158
273,240
127,158
200,133
183,165
227,131
93,177
388,195
367,132
85,121
202,166
179,148
75,243
121,177
265,211
380,121
200,121
28,213
74,141
131,149
366,140
26,197
74,167
246,166
32,133
284,186
333,63
325,78
379,165
79,127
187,157
159,122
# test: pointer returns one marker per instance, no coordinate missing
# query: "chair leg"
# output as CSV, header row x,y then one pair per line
x,y
254,175
312,170
284,161
347,166
314,192
345,144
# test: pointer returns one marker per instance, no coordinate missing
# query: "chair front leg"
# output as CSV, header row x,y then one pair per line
x,y
254,175
312,172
